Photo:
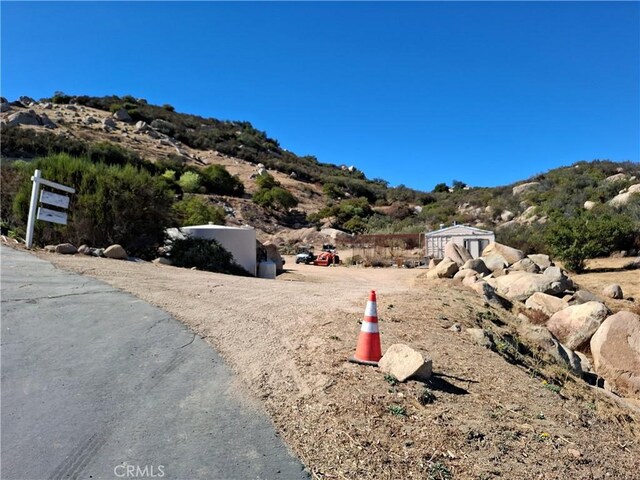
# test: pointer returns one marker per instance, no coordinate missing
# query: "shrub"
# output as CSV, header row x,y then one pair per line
x,y
203,254
112,204
189,182
266,181
441,187
276,197
195,211
217,180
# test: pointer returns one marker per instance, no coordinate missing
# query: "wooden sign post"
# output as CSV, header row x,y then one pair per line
x,y
47,198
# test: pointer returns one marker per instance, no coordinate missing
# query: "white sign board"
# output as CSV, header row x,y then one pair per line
x,y
54,199
52,216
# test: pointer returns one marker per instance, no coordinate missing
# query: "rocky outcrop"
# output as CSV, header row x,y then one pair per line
x,y
456,253
511,255
583,296
403,362
624,198
24,118
116,252
547,345
575,325
616,352
525,187
447,268
613,291
494,262
462,274
274,255
618,177
547,304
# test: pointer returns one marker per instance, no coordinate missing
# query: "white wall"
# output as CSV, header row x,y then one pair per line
x,y
239,241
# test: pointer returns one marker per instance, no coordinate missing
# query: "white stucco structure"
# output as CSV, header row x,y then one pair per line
x,y
473,239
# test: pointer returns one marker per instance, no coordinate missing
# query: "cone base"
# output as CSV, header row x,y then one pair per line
x,y
363,362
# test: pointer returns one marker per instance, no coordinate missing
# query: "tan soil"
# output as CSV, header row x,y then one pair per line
x,y
288,341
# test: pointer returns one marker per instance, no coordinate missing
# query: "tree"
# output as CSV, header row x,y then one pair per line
x,y
441,187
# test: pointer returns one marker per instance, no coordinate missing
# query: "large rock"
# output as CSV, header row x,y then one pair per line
x,y
494,262
613,291
547,345
24,118
122,115
575,325
462,274
478,265
274,255
511,255
558,275
434,262
616,352
589,205
66,248
618,177
47,122
583,296
525,265
547,304
108,123
116,251
543,261
521,285
525,187
506,216
403,362
447,268
622,199
468,281
456,253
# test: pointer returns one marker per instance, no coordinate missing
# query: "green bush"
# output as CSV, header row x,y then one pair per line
x,y
194,210
112,204
589,235
276,197
441,188
190,182
217,180
266,181
203,254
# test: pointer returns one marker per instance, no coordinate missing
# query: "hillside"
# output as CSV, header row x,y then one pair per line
x,y
125,130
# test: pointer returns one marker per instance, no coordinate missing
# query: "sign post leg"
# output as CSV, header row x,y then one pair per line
x,y
32,208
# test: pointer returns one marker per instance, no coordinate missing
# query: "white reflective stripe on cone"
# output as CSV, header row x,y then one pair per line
x,y
371,310
369,327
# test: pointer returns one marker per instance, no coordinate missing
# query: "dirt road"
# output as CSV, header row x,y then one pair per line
x,y
288,340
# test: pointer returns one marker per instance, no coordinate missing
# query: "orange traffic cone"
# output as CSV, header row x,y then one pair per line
x,y
368,351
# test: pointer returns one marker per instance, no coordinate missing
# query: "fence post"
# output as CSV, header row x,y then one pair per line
x,y
33,207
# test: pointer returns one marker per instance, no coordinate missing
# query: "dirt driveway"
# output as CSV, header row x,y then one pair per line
x,y
288,341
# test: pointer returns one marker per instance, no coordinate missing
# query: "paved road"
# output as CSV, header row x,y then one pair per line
x,y
98,384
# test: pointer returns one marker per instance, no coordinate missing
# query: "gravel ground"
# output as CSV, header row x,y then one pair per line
x,y
288,341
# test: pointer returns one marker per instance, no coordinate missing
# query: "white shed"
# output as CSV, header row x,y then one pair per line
x,y
472,238
239,241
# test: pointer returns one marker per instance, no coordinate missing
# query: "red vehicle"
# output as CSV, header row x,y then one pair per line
x,y
327,257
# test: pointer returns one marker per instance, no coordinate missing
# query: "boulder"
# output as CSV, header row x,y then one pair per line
x,y
274,255
47,122
616,352
525,265
521,285
468,281
622,199
511,255
613,291
141,127
108,123
547,304
483,288
24,118
434,262
583,296
89,120
618,177
543,261
162,261
66,248
50,248
558,275
478,265
116,252
575,325
480,337
5,107
547,345
525,187
447,268
462,274
456,253
122,115
506,216
494,262
403,363
589,205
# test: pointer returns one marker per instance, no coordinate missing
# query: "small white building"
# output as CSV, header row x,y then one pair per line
x,y
239,241
473,239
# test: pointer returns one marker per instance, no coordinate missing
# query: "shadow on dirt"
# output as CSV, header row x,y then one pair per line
x,y
439,383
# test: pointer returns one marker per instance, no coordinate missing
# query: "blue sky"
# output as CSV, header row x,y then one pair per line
x,y
416,93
